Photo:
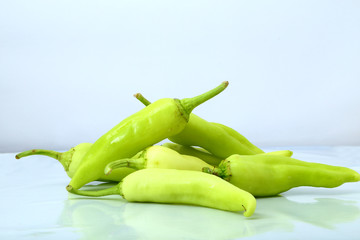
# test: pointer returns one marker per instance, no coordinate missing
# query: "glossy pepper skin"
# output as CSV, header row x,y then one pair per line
x,y
216,138
154,123
158,157
270,175
179,187
211,158
72,158
213,138
195,152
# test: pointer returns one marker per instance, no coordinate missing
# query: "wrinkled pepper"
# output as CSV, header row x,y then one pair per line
x,y
270,175
211,158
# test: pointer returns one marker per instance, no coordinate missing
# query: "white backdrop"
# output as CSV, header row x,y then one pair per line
x,y
68,69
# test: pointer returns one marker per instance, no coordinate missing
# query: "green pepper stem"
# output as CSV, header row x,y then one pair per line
x,y
49,153
189,104
135,163
115,190
142,99
63,158
220,171
215,171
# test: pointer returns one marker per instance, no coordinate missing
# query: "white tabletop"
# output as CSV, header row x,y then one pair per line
x,y
35,205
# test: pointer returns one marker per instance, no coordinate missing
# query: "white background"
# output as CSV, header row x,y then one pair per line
x,y
68,69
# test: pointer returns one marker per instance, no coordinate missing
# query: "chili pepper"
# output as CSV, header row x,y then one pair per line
x,y
284,153
197,126
72,158
179,187
158,157
239,137
152,124
269,175
195,152
210,158
199,132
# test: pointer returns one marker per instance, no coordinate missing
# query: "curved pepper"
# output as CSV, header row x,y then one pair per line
x,y
195,152
154,123
269,175
201,133
72,158
179,187
211,158
158,157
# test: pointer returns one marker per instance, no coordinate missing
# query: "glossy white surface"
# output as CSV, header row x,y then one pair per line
x,y
35,205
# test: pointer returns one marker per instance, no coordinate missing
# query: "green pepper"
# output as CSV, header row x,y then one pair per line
x,y
154,123
179,187
216,138
195,152
158,157
211,158
270,175
72,158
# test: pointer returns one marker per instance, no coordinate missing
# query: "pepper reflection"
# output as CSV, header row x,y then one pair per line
x,y
112,217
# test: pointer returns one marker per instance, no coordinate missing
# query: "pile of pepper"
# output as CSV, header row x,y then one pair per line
x,y
206,164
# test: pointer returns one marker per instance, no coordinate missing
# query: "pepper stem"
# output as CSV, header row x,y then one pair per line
x,y
49,153
142,99
215,171
189,104
115,190
63,157
135,163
